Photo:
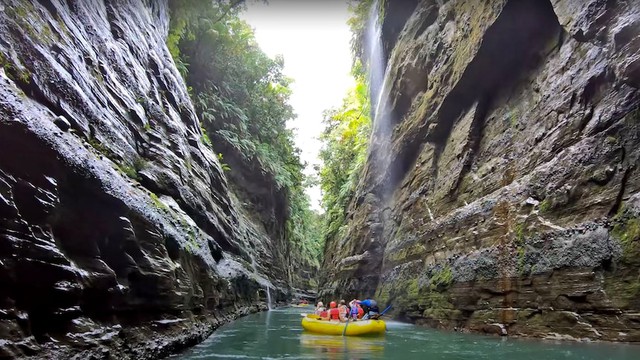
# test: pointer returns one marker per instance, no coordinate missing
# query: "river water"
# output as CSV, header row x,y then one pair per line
x,y
277,334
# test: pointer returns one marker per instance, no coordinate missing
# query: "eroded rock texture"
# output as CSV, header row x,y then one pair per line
x,y
502,187
119,237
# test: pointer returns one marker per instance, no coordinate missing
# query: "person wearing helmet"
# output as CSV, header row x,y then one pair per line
x,y
320,308
334,312
371,310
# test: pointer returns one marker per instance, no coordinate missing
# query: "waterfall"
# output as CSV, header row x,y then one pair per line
x,y
375,55
268,298
378,92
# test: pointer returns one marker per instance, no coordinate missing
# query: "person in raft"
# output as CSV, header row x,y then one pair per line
x,y
370,307
321,310
356,311
334,312
344,310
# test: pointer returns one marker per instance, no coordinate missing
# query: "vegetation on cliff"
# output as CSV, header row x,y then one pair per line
x,y
345,140
346,134
242,99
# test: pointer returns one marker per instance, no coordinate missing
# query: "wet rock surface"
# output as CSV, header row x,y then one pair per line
x,y
504,197
119,234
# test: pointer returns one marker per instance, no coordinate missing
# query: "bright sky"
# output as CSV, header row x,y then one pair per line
x,y
313,38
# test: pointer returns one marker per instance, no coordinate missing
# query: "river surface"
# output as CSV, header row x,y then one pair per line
x,y
277,334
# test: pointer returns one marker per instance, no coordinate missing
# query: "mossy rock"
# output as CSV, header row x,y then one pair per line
x,y
628,232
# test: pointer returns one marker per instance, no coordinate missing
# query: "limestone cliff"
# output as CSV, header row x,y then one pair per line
x,y
119,236
501,192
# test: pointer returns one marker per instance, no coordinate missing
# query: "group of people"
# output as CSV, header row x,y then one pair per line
x,y
355,310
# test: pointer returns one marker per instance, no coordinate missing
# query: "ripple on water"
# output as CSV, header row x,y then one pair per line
x,y
278,335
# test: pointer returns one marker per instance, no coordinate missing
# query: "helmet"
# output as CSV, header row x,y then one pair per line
x,y
332,304
320,304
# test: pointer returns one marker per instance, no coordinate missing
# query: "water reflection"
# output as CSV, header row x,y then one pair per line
x,y
277,334
335,347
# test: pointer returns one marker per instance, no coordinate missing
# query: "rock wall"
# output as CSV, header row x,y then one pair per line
x,y
119,236
502,190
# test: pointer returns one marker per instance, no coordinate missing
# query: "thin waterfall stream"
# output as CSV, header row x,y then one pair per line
x,y
268,298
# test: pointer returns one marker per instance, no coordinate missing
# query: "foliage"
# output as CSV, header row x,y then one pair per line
x,y
242,98
225,167
544,206
345,143
360,12
347,131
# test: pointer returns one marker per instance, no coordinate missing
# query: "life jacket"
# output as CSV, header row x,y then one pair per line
x,y
324,314
334,314
360,312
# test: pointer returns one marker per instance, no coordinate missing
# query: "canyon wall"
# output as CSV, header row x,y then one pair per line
x,y
501,192
119,235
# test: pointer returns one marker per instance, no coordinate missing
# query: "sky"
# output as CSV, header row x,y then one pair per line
x,y
313,38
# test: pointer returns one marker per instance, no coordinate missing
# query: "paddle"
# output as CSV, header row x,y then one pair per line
x,y
385,310
345,327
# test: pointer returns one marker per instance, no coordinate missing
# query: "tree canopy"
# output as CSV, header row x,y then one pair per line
x,y
242,99
346,135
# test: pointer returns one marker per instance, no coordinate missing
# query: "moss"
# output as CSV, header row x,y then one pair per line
x,y
24,76
97,75
192,239
96,144
39,31
413,288
441,278
5,64
158,203
628,232
129,171
13,72
623,289
438,306
519,231
46,33
63,26
513,117
544,206
133,171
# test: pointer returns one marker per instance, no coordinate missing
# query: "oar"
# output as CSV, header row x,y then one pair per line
x,y
385,310
345,327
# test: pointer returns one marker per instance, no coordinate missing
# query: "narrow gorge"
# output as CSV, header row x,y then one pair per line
x,y
482,175
501,192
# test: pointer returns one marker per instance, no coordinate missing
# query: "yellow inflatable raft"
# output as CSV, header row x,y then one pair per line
x,y
313,324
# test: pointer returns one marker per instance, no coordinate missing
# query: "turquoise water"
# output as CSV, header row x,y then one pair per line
x,y
277,335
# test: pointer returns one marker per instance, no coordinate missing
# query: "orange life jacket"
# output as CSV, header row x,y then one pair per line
x,y
334,314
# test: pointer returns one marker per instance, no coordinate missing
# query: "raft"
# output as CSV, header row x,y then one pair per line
x,y
354,328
